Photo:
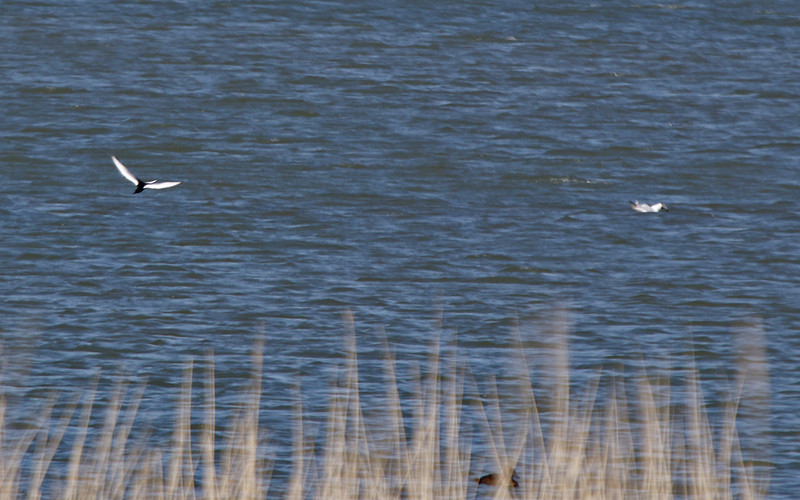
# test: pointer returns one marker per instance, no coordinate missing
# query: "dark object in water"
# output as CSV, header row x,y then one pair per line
x,y
494,479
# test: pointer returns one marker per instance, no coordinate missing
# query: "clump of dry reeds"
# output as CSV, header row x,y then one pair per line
x,y
433,444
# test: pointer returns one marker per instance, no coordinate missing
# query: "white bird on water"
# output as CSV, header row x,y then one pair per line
x,y
644,207
140,184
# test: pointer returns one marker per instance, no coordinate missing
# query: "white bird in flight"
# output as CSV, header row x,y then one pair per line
x,y
644,207
140,184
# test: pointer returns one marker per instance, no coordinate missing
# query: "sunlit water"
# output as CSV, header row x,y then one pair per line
x,y
449,169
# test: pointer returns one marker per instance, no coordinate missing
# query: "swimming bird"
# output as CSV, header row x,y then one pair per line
x,y
495,479
644,207
140,184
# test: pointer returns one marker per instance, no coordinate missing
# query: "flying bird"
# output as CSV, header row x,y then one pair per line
x,y
140,184
644,207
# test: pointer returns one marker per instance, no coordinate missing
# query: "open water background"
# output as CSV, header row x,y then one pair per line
x,y
413,162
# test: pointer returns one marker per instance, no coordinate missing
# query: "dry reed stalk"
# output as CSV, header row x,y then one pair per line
x,y
180,469
12,457
656,450
46,445
207,435
76,479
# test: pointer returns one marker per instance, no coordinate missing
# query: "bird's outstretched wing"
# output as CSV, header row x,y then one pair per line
x,y
161,185
125,172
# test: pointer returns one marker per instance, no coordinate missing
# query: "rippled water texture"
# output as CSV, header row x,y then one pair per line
x,y
405,161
